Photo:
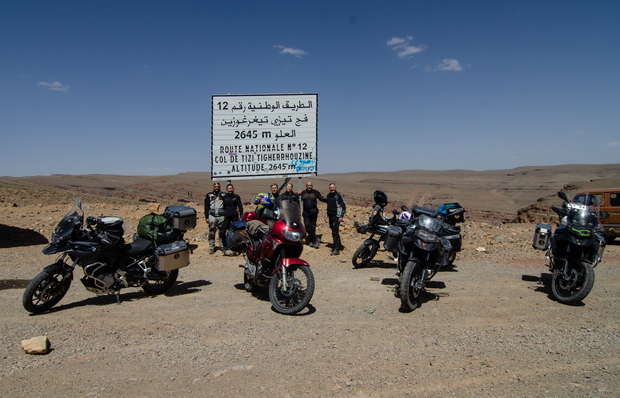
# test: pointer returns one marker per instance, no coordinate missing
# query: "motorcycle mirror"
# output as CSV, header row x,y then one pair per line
x,y
562,195
604,216
395,212
404,208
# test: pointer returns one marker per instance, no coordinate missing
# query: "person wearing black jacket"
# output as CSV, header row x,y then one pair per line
x,y
233,209
336,208
288,194
310,212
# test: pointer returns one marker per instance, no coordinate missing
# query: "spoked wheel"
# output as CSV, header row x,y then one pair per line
x,y
290,290
574,285
160,281
411,286
45,291
364,254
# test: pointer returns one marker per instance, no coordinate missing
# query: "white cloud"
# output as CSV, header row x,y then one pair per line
x,y
613,144
403,49
54,86
293,51
579,132
448,64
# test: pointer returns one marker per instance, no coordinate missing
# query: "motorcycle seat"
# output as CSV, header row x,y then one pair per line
x,y
418,210
139,246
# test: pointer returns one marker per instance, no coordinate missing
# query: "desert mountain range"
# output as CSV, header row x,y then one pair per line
x,y
499,194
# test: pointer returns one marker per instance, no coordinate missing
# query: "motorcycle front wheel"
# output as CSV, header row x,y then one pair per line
x,y
574,285
160,284
411,286
297,293
364,254
45,291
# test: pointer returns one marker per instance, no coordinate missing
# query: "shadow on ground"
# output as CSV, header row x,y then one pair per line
x,y
15,237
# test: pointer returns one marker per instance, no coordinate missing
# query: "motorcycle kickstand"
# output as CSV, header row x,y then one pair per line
x,y
118,296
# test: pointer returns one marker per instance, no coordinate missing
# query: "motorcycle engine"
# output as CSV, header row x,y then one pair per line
x,y
99,278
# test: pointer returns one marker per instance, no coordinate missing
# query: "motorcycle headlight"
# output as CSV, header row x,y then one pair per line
x,y
426,236
292,236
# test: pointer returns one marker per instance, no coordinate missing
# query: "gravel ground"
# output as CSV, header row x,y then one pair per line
x,y
486,329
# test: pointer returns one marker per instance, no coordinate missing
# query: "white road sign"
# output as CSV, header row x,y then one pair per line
x,y
255,136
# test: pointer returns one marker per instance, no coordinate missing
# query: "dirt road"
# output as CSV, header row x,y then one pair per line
x,y
487,329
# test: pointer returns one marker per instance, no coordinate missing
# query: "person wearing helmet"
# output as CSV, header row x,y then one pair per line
x,y
233,209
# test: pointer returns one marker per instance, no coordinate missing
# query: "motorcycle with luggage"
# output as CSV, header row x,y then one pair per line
x,y
420,246
151,261
574,248
273,242
378,225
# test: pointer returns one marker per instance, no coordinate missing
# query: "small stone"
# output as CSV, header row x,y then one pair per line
x,y
36,345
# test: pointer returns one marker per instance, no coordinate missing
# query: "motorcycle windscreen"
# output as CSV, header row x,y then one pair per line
x,y
290,213
74,218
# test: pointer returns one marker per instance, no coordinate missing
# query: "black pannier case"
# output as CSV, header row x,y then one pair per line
x,y
392,237
181,217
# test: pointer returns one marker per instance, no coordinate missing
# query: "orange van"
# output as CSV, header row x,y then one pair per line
x,y
610,199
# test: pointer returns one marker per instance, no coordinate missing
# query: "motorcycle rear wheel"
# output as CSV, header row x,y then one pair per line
x,y
45,291
410,294
364,254
575,285
299,291
160,286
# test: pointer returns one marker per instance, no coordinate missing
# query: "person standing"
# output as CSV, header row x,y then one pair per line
x,y
310,212
233,209
288,194
214,214
336,208
275,192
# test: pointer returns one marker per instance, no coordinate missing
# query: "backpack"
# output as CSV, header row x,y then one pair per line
x,y
155,227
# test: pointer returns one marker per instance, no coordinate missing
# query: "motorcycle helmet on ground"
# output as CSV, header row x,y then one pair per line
x,y
380,198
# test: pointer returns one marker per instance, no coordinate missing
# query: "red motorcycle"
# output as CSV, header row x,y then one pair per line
x,y
273,259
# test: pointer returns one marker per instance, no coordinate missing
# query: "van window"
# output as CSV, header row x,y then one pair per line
x,y
614,199
587,199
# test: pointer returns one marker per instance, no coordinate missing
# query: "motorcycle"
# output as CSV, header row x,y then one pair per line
x,y
108,263
574,249
378,225
272,260
420,245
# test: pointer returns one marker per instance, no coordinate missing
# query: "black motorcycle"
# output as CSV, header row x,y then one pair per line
x,y
574,249
420,247
109,264
378,225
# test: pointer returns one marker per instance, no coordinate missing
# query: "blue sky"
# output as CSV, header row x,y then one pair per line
x,y
124,87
